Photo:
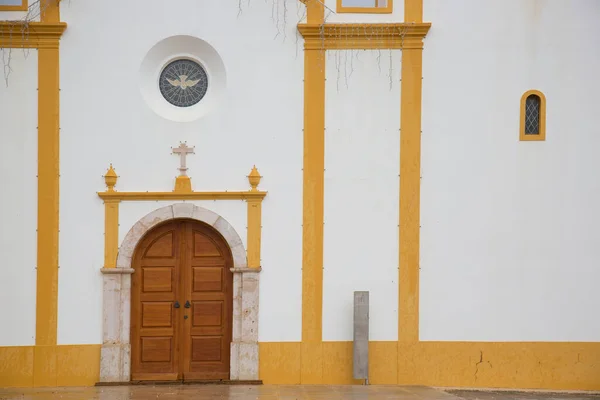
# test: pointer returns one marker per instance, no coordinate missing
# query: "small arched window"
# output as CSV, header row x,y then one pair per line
x,y
533,116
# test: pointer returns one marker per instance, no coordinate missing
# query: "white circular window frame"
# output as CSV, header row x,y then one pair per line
x,y
177,48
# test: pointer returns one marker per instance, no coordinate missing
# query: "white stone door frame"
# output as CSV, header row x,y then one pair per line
x,y
115,356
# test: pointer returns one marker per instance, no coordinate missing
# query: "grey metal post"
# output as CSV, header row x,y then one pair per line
x,y
361,336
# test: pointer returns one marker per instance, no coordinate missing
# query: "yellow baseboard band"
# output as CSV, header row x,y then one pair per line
x,y
49,366
511,365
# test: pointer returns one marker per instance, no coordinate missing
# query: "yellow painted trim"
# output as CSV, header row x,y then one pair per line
x,y
312,215
410,187
254,222
23,7
150,196
556,366
112,198
315,11
63,365
111,221
110,179
254,232
363,36
410,179
340,9
183,184
312,206
541,136
51,12
111,233
413,11
48,186
38,35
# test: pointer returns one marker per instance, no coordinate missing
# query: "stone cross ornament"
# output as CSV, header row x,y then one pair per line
x,y
183,150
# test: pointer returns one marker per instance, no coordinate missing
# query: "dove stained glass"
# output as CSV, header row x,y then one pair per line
x,y
183,83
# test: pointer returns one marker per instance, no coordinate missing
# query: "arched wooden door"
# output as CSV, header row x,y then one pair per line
x,y
181,304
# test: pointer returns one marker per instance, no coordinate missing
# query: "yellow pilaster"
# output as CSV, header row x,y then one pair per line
x,y
254,228
48,185
254,221
111,221
50,10
311,370
410,186
111,233
413,10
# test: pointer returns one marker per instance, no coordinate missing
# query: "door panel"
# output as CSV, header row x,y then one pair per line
x,y
208,287
155,288
186,263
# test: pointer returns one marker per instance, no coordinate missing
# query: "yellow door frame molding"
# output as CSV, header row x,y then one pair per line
x,y
112,198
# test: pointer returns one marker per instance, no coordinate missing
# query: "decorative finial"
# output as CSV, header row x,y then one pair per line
x,y
110,178
254,179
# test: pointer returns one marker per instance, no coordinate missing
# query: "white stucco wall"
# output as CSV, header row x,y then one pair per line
x,y
332,16
106,120
18,214
362,160
509,237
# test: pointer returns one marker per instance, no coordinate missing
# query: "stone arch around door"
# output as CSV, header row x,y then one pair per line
x,y
115,357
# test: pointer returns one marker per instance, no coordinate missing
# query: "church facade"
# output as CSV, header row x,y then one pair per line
x,y
194,190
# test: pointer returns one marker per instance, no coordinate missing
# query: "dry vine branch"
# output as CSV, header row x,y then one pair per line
x,y
21,27
278,15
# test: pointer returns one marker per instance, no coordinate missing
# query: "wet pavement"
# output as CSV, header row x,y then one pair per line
x,y
267,392
515,395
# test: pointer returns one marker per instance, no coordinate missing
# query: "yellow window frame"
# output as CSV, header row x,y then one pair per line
x,y
23,7
541,135
365,10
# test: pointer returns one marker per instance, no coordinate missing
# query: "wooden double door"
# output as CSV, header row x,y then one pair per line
x,y
181,304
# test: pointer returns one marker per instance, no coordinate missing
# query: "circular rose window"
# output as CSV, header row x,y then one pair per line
x,y
183,83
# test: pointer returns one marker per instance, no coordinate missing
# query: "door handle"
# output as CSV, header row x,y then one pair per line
x,y
176,304
187,304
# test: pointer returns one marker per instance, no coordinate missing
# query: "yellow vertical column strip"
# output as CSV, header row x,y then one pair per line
x,y
44,367
111,233
254,232
410,186
311,356
315,12
413,10
410,180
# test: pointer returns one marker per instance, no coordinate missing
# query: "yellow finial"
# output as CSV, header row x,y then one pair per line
x,y
110,178
254,179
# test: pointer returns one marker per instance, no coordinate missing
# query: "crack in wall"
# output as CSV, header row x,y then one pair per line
x,y
480,362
